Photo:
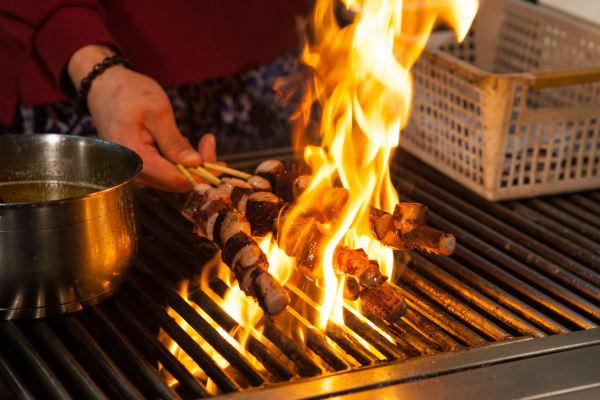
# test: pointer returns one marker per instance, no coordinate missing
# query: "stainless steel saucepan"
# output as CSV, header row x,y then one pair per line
x,y
59,256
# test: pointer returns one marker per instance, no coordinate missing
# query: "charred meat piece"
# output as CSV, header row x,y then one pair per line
x,y
352,289
259,184
192,205
387,228
269,170
234,245
384,302
301,183
261,211
233,224
309,262
239,197
249,264
284,183
356,263
380,221
269,293
216,194
421,237
227,184
412,211
334,202
400,233
206,219
293,233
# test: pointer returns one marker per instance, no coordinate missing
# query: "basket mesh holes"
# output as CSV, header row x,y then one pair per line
x,y
448,118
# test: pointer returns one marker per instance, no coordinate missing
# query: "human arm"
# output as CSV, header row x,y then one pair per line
x,y
131,109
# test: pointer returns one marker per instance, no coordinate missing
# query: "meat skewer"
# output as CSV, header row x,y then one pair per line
x,y
229,230
299,237
405,230
402,230
303,236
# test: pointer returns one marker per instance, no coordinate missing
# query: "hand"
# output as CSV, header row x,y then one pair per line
x,y
133,110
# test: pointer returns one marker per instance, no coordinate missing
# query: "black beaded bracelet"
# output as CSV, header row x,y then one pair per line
x,y
86,82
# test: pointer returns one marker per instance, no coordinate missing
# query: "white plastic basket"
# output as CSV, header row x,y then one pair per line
x,y
514,110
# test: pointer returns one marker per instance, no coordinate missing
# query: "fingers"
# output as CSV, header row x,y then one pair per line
x,y
160,173
176,148
207,147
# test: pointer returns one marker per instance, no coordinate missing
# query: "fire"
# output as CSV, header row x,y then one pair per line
x,y
362,82
361,53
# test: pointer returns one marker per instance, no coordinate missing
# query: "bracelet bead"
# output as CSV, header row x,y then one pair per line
x,y
86,82
98,69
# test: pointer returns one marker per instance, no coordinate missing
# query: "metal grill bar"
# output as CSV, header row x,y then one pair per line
x,y
512,247
354,324
15,383
565,219
415,320
575,210
142,365
38,366
350,345
208,333
192,349
126,388
471,295
292,350
498,217
500,296
442,319
68,362
553,226
498,256
317,342
371,336
407,341
458,309
253,345
156,348
594,196
335,332
516,267
585,203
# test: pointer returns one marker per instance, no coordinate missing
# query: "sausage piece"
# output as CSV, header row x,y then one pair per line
x,y
261,212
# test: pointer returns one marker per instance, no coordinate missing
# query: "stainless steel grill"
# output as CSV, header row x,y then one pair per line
x,y
522,270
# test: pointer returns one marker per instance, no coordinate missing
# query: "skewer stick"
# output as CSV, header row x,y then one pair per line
x,y
187,175
232,172
204,174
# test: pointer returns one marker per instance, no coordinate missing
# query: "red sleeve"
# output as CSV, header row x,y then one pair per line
x,y
53,30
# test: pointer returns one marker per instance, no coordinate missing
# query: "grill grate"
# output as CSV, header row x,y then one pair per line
x,y
522,269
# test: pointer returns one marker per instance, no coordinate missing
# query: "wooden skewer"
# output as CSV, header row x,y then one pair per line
x,y
204,174
187,175
232,172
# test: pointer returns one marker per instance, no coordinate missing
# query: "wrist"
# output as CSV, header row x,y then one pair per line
x,y
84,59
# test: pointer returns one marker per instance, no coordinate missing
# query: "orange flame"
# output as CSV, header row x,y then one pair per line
x,y
363,85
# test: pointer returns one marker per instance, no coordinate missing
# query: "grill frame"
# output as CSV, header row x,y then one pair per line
x,y
81,355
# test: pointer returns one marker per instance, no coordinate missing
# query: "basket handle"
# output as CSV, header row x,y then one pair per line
x,y
545,79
